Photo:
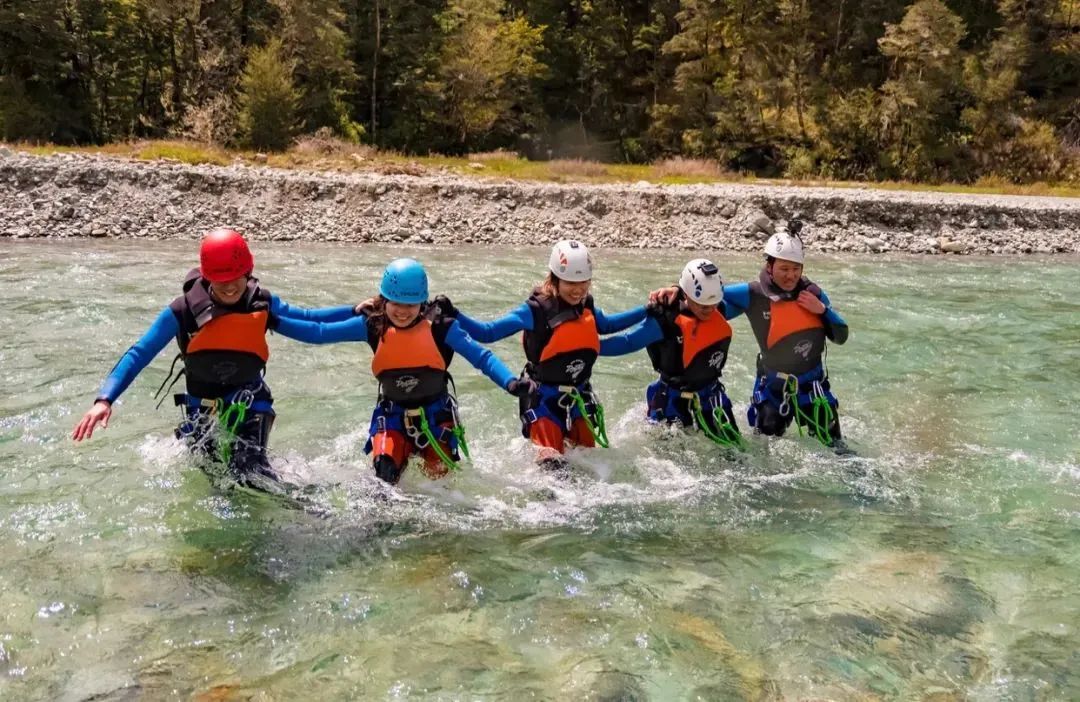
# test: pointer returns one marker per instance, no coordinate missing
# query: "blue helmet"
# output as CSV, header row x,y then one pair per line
x,y
404,281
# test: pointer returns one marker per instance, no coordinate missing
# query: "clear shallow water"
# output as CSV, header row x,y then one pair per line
x,y
943,564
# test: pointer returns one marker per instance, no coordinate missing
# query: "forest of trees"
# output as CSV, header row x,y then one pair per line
x,y
928,90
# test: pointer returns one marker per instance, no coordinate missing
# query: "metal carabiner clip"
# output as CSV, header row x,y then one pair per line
x,y
566,402
245,397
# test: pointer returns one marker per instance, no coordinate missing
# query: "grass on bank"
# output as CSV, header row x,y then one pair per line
x,y
322,153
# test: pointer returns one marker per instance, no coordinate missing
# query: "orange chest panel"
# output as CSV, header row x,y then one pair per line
x,y
576,335
414,347
698,336
787,318
238,331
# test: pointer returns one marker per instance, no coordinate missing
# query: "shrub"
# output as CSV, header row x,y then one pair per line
x,y
680,167
268,99
577,167
324,142
212,122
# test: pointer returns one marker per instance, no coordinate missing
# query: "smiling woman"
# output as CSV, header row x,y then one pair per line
x,y
942,561
414,343
561,333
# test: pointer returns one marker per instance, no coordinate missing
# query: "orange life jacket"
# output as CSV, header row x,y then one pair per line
x,y
563,344
223,347
692,354
411,363
790,338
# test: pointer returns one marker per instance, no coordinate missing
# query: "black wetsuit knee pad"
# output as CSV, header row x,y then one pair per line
x,y
386,469
769,421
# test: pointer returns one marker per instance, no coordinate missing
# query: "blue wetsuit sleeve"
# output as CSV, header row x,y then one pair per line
x,y
518,319
646,332
617,322
280,308
354,329
163,330
736,299
481,358
835,326
836,329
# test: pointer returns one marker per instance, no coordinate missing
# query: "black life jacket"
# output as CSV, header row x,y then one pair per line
x,y
692,354
223,347
563,343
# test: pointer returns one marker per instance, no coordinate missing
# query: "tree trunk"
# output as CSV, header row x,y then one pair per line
x,y
375,75
839,27
177,73
245,22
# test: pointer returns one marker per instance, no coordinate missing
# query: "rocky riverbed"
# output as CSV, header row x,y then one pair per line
x,y
74,195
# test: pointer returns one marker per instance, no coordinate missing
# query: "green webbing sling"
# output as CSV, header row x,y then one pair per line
x,y
459,434
823,413
230,417
599,429
727,436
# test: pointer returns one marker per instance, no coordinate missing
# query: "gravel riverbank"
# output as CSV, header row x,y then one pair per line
x,y
74,195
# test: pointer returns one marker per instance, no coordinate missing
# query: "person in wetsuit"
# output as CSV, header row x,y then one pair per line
x,y
687,339
561,328
413,344
792,321
220,322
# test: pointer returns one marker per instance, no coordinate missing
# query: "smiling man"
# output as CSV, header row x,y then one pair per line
x,y
792,322
220,322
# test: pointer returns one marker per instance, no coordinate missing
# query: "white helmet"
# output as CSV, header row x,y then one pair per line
x,y
785,246
570,261
701,282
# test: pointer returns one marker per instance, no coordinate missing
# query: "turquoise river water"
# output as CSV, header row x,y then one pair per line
x,y
943,563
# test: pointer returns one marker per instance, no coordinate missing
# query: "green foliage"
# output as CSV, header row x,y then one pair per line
x,y
921,90
486,68
315,42
848,147
924,49
22,118
268,99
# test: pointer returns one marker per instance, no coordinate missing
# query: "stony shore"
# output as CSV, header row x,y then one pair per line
x,y
74,195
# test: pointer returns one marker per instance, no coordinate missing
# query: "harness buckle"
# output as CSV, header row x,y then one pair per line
x,y
413,431
245,397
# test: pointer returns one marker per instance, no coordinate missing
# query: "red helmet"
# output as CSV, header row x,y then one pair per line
x,y
224,256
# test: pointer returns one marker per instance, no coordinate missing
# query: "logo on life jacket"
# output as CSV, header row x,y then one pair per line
x,y
407,383
765,314
717,360
225,370
575,368
803,348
